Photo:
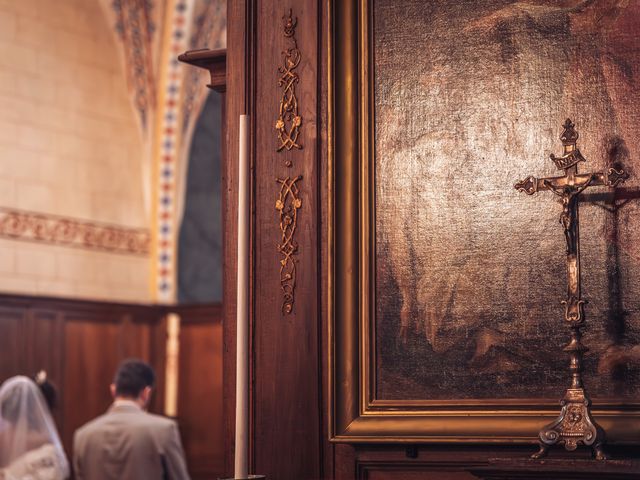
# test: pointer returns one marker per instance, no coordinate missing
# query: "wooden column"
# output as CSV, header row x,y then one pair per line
x,y
287,401
287,429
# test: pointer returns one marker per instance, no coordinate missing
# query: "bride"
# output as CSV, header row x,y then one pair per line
x,y
29,444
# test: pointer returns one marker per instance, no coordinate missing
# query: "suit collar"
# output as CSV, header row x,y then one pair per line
x,y
125,406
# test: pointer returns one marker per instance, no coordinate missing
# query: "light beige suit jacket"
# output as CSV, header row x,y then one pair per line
x,y
126,443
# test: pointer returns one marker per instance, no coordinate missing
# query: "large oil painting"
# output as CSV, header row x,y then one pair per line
x,y
468,97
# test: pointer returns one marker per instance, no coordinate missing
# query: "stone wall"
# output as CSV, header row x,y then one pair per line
x,y
69,149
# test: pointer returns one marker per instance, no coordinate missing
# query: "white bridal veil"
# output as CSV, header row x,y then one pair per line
x,y
26,426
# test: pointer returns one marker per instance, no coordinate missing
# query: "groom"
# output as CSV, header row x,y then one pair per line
x,y
127,443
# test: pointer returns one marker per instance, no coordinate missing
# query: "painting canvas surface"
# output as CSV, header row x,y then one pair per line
x,y
469,97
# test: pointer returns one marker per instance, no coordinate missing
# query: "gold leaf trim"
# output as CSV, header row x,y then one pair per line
x,y
288,204
289,119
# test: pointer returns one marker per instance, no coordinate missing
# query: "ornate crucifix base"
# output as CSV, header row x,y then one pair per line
x,y
574,426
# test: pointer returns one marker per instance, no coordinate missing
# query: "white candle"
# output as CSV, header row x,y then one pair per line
x,y
242,331
172,365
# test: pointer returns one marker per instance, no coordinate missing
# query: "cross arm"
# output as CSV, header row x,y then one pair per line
x,y
609,178
531,185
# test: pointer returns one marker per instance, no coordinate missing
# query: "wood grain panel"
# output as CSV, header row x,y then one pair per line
x,y
80,344
324,218
287,421
92,351
43,338
287,368
158,354
395,472
415,462
12,353
43,329
200,395
236,104
136,338
466,462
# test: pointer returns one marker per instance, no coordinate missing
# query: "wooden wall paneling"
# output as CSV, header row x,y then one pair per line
x,y
79,343
287,431
158,354
395,471
235,106
12,342
92,348
324,218
344,462
144,336
448,461
43,330
286,349
388,464
135,338
94,344
200,401
43,336
417,462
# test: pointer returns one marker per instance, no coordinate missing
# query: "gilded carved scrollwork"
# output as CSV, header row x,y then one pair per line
x,y
289,119
288,128
287,204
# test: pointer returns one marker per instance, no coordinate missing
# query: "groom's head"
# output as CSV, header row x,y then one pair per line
x,y
133,381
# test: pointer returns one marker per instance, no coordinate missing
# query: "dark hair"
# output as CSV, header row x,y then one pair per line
x,y
48,389
132,377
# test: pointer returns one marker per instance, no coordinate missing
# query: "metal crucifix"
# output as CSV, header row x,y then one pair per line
x,y
575,424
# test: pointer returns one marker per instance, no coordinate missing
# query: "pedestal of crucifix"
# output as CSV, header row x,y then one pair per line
x,y
575,424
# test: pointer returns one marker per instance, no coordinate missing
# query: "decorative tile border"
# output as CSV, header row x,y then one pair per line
x,y
72,232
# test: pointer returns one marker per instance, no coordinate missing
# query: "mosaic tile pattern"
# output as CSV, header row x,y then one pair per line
x,y
168,148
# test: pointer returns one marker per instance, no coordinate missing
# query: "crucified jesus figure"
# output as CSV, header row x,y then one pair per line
x,y
569,195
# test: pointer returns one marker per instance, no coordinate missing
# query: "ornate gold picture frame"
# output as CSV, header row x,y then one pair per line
x,y
356,414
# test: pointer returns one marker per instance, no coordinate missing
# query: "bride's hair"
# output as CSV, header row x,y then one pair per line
x,y
48,389
11,403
